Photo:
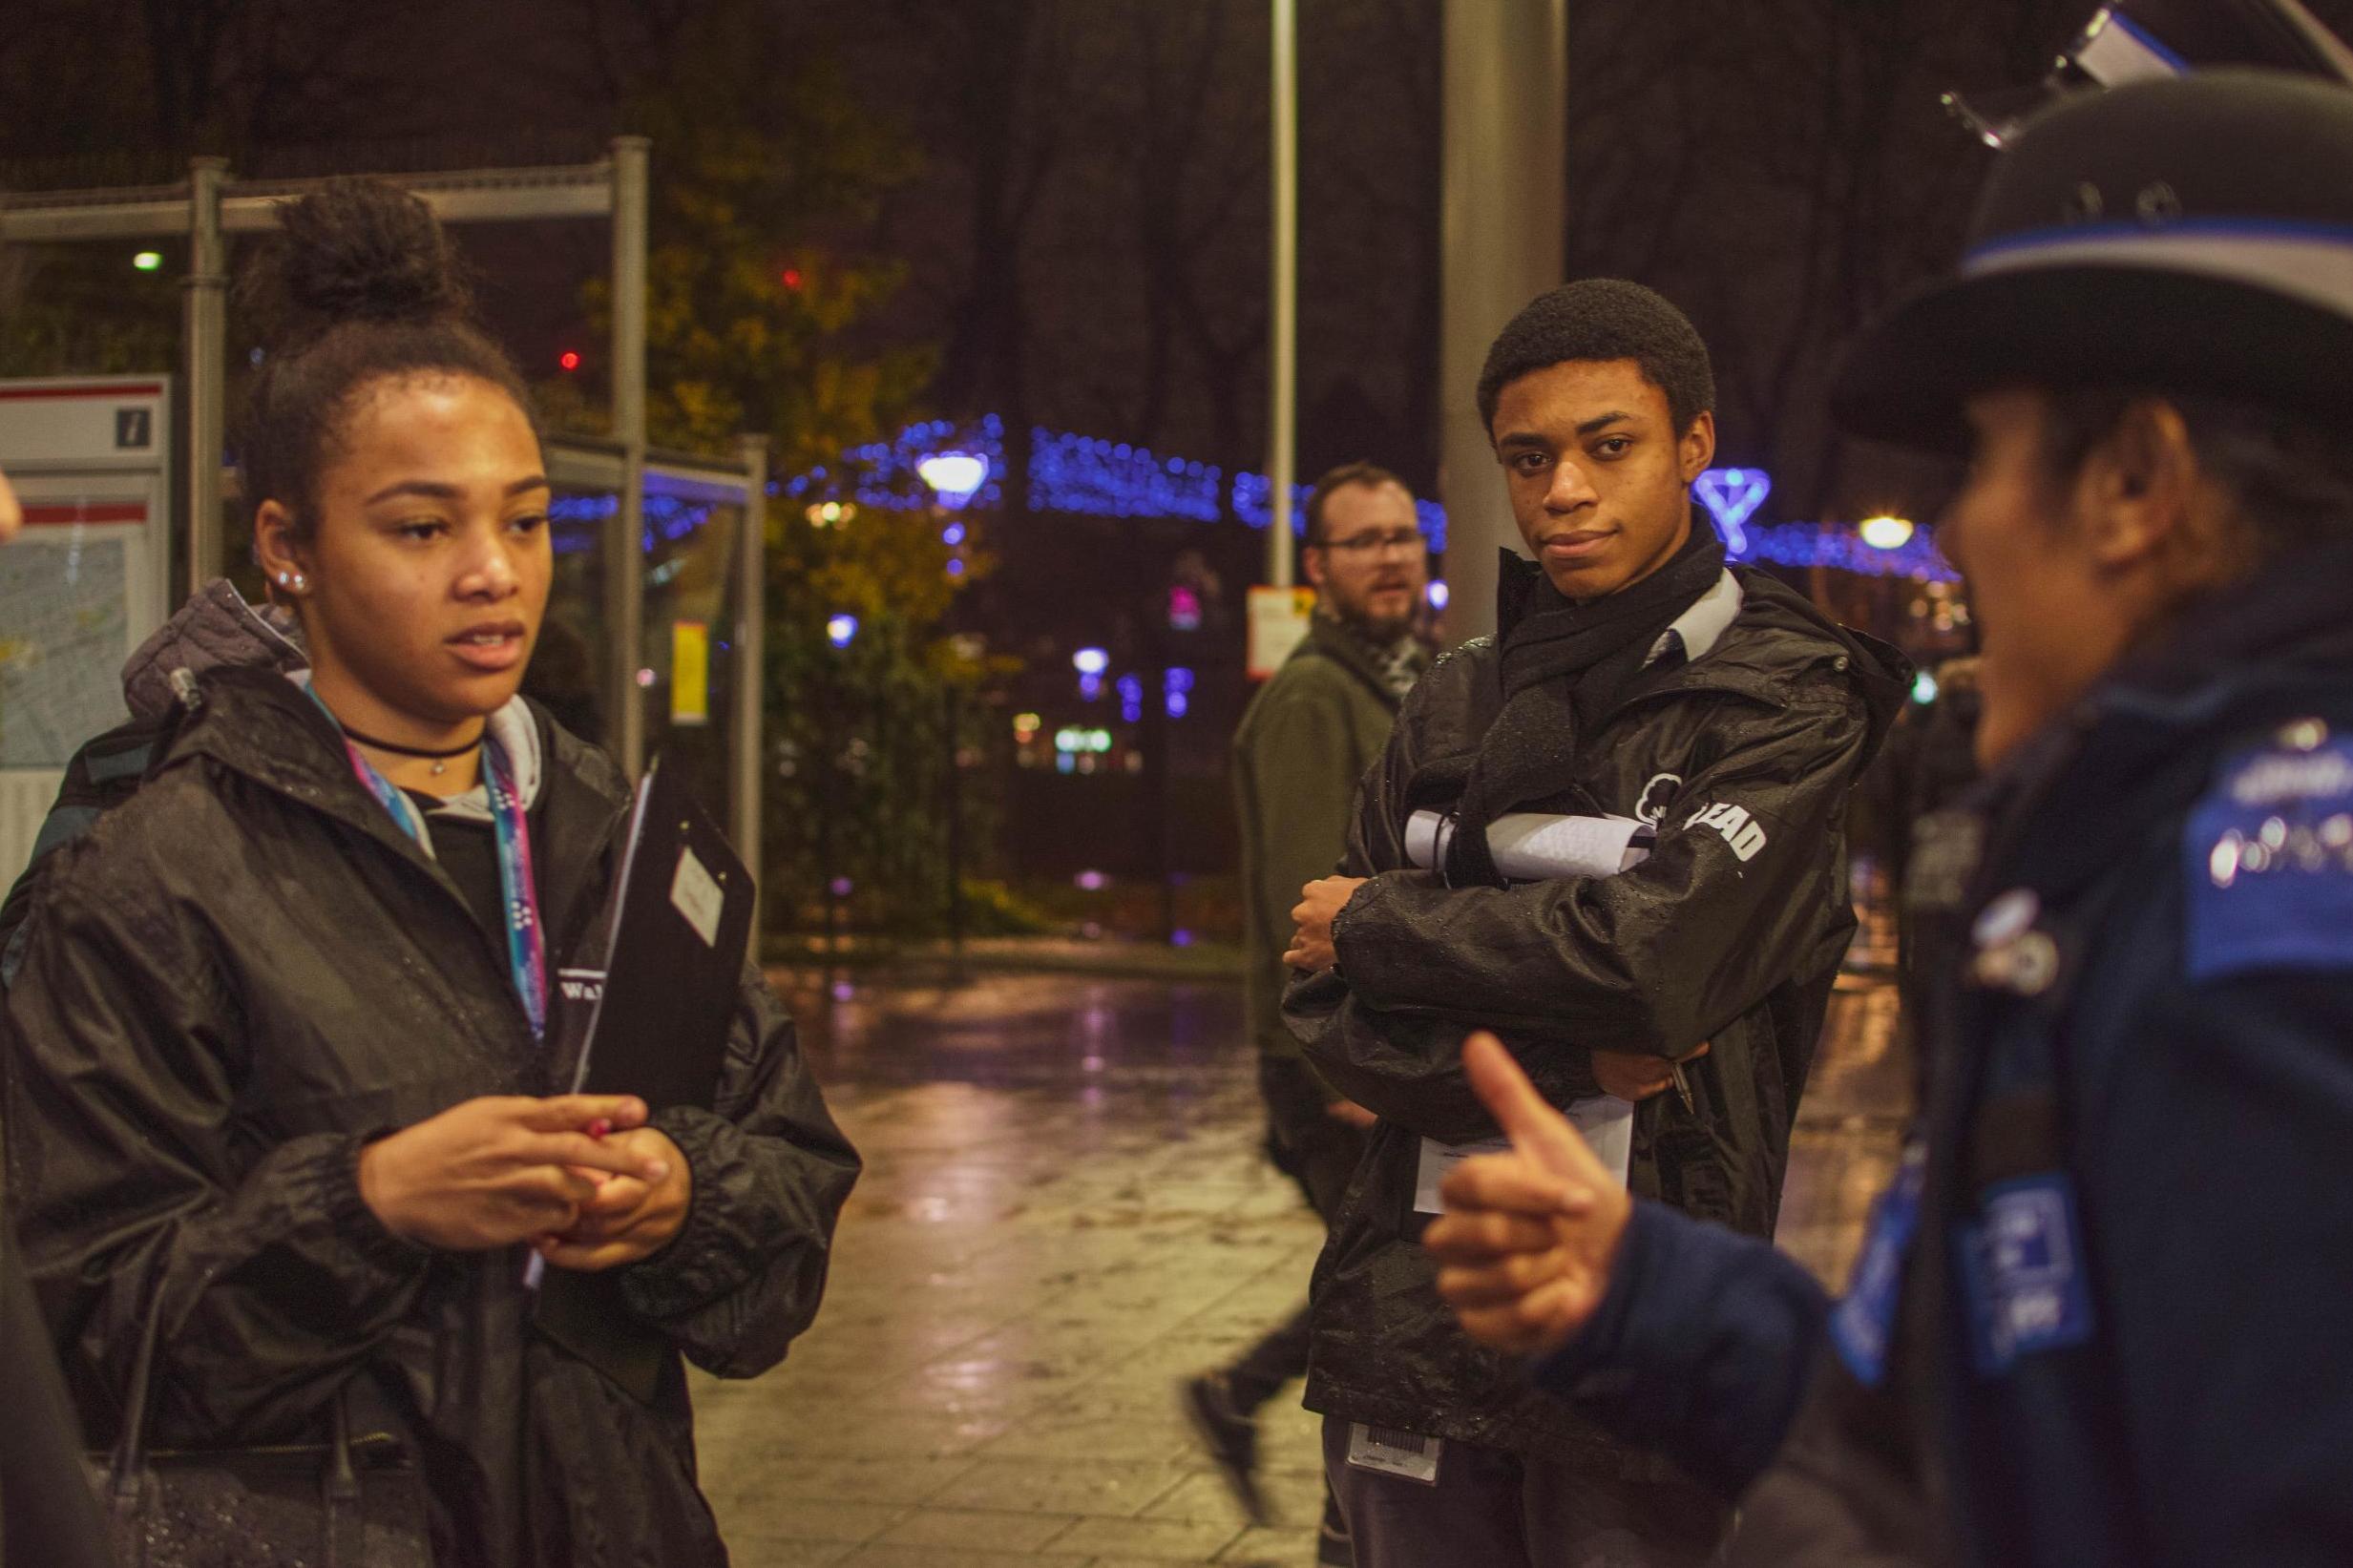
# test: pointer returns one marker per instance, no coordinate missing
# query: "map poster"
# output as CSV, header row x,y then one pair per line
x,y
65,629
84,583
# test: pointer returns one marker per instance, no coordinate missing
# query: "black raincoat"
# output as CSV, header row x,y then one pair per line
x,y
239,976
1730,932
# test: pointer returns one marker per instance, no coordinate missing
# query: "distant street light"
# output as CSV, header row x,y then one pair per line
x,y
955,476
840,630
1885,533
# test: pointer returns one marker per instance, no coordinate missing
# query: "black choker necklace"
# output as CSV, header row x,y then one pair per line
x,y
439,759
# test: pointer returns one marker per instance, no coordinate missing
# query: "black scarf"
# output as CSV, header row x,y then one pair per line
x,y
1562,668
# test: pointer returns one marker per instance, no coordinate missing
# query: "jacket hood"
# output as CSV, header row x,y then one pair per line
x,y
264,726
1880,673
216,629
2273,650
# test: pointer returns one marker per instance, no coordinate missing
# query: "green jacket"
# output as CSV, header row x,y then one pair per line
x,y
1307,738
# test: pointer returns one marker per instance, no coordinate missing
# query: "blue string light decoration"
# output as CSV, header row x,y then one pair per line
x,y
1112,479
1087,476
1733,497
1079,474
1829,544
577,521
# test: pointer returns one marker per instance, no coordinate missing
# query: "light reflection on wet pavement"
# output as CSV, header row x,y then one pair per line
x,y
1064,1210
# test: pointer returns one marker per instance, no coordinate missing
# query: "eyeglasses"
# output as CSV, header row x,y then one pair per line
x,y
1408,539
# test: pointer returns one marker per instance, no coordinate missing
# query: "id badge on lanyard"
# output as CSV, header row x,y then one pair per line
x,y
2023,1272
1863,1324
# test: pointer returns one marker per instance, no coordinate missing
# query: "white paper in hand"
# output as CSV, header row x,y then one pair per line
x,y
1605,1122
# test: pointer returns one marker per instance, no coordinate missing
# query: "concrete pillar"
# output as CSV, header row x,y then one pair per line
x,y
1503,216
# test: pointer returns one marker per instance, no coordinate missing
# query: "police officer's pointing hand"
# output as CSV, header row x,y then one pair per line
x,y
1528,1239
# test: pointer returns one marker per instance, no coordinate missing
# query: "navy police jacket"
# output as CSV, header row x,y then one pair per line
x,y
2105,1315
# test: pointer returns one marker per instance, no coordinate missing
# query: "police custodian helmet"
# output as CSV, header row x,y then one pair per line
x,y
2189,235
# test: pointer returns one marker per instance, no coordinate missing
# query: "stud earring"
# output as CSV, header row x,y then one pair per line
x,y
294,581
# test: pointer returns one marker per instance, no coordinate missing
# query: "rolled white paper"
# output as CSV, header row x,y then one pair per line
x,y
1536,846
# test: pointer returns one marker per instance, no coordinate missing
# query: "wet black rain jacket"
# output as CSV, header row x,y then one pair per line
x,y
1732,932
234,979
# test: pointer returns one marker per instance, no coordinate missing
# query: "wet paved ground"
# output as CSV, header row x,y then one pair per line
x,y
1063,1210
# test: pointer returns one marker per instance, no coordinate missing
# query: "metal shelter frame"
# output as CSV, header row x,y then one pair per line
x,y
210,205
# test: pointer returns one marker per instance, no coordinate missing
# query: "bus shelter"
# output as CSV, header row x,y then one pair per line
x,y
660,657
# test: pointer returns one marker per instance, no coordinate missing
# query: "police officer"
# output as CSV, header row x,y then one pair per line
x,y
2100,1317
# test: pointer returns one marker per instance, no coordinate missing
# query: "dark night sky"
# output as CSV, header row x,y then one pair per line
x,y
1084,235
1080,218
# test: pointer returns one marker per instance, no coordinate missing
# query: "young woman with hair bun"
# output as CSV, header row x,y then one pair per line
x,y
290,1065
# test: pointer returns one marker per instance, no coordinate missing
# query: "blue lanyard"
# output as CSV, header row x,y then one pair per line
x,y
526,942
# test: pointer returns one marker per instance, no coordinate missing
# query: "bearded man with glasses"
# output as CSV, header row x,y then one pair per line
x,y
1308,738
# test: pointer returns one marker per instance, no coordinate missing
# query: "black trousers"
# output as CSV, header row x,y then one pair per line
x,y
1491,1508
1319,1152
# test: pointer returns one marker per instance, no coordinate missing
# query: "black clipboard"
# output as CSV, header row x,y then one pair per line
x,y
673,967
674,960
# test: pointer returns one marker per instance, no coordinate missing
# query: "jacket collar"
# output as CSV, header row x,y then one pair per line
x,y
517,732
257,725
1517,576
1697,629
2144,741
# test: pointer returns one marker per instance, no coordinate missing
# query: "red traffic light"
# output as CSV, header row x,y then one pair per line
x,y
569,360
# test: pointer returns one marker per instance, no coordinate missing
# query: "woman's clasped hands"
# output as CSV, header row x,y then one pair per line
x,y
579,1177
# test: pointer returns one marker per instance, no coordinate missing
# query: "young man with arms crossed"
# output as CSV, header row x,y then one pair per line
x,y
1633,677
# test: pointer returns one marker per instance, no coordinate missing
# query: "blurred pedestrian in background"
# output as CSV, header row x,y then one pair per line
x,y
1305,742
